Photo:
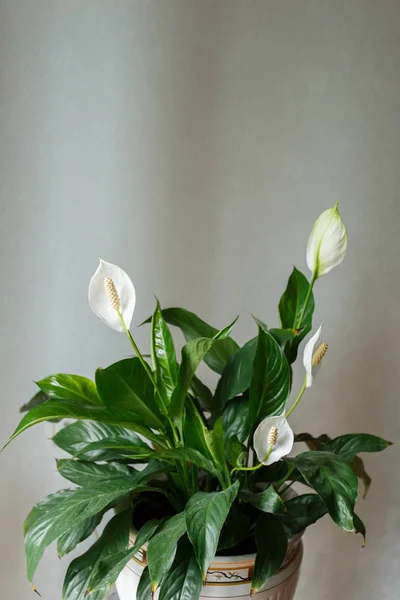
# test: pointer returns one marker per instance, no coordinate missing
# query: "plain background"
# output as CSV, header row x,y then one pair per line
x,y
194,142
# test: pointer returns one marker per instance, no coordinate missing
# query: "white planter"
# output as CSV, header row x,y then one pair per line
x,y
228,576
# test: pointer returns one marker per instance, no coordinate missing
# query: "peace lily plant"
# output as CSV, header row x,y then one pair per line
x,y
218,464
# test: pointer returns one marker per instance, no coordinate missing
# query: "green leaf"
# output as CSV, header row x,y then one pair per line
x,y
236,419
202,393
70,387
205,515
302,511
334,481
144,588
270,383
162,547
60,512
115,449
125,385
63,409
224,333
114,539
291,307
236,376
152,468
36,400
106,572
70,540
86,474
76,438
191,456
283,336
192,355
360,528
271,550
193,327
236,452
163,355
184,580
347,446
237,528
267,501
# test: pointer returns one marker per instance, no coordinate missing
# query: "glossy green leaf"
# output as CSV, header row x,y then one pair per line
x,y
302,511
63,409
267,501
76,437
163,355
202,393
70,387
154,467
70,540
87,474
271,550
283,336
236,376
183,580
205,515
347,446
190,456
114,539
144,588
291,307
162,547
236,452
107,570
236,419
270,383
115,449
334,481
60,512
125,385
193,327
192,355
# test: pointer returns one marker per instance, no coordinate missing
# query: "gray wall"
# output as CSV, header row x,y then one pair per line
x,y
194,143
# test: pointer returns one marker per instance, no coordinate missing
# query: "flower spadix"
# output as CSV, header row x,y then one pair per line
x,y
327,243
314,352
111,294
273,439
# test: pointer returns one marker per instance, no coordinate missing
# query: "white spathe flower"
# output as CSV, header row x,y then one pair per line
x,y
111,292
273,439
327,243
311,347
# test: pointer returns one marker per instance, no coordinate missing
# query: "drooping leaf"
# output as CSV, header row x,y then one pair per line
x,y
60,512
360,528
76,437
64,409
334,481
162,547
291,306
236,419
86,474
236,376
270,383
106,571
70,540
144,588
267,501
205,515
271,550
125,385
302,511
114,539
75,388
193,327
348,445
163,355
184,580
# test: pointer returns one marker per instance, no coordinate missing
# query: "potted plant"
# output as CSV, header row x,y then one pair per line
x,y
212,513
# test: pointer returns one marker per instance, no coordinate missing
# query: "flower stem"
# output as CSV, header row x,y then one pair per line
x,y
149,373
306,301
299,397
261,464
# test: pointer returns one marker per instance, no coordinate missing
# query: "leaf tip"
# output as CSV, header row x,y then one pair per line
x,y
35,590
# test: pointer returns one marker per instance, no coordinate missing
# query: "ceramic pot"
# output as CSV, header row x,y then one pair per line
x,y
228,576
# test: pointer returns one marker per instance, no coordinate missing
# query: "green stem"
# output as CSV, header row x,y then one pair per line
x,y
261,464
284,479
149,373
299,397
306,301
